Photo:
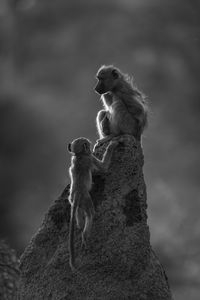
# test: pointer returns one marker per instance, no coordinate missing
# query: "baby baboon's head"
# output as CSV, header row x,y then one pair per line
x,y
80,146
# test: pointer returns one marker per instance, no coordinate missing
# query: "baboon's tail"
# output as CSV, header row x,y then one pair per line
x,y
71,233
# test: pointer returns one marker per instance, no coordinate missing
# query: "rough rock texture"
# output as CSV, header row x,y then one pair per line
x,y
9,272
118,262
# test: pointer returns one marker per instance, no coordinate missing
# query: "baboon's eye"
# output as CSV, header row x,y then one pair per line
x,y
100,78
115,74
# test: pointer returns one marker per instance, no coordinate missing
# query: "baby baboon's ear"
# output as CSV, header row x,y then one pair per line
x,y
69,147
85,146
115,74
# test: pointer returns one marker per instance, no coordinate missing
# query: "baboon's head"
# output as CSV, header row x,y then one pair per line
x,y
80,146
108,78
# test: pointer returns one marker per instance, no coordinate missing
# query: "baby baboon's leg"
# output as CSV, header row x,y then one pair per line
x,y
89,214
80,218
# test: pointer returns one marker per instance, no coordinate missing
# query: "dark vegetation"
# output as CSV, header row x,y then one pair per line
x,y
49,53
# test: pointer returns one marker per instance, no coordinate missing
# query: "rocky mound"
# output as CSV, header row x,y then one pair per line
x,y
118,262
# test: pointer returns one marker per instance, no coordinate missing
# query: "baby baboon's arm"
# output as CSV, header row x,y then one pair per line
x,y
103,165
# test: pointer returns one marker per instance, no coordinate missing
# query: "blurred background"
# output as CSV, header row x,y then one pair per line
x,y
49,54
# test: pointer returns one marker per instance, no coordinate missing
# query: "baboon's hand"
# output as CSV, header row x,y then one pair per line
x,y
113,144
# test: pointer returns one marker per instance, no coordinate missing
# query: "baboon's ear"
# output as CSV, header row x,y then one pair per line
x,y
115,74
85,147
69,147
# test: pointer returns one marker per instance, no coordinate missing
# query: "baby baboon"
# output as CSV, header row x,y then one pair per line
x,y
125,109
83,163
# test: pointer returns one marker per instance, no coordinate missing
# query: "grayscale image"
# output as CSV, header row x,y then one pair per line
x,y
99,151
